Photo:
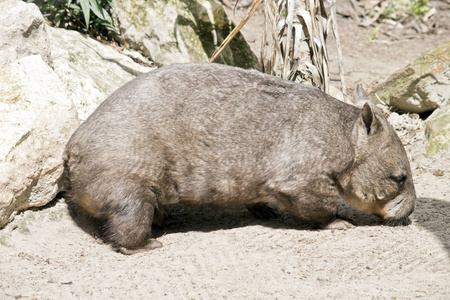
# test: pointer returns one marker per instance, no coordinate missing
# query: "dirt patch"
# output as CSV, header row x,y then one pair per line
x,y
210,254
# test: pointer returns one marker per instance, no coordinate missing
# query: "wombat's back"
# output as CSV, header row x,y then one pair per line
x,y
221,103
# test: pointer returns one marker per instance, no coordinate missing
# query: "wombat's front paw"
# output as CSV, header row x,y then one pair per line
x,y
339,224
152,244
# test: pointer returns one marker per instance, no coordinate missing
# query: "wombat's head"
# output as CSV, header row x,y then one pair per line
x,y
379,181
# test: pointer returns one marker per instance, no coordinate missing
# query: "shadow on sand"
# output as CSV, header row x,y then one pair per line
x,y
432,214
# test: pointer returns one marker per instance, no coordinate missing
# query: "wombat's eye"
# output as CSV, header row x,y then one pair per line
x,y
400,180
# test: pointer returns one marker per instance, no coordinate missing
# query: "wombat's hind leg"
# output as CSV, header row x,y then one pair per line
x,y
128,225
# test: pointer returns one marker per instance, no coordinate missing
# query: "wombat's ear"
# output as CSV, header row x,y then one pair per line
x,y
367,116
369,119
360,96
366,125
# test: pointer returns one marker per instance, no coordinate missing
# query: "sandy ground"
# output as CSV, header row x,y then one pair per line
x,y
218,254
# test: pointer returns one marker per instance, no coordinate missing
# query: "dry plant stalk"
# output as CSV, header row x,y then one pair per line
x,y
339,50
296,46
235,31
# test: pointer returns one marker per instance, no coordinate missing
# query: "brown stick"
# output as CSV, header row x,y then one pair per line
x,y
235,31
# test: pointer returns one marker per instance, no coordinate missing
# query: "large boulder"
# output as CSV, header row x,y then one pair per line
x,y
43,71
37,119
90,71
174,31
437,131
22,31
421,86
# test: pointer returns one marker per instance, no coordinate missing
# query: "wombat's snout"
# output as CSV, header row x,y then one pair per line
x,y
397,212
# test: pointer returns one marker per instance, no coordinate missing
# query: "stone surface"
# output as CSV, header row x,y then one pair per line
x,y
90,70
437,131
36,119
423,85
38,90
22,31
179,31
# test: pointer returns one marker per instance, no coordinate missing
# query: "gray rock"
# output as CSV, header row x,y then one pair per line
x,y
437,131
22,31
421,86
170,31
37,96
90,70
36,119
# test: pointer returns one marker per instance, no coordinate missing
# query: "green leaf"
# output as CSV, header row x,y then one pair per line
x,y
57,19
96,9
100,12
85,6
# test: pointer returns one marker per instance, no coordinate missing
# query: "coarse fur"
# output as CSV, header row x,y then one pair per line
x,y
214,134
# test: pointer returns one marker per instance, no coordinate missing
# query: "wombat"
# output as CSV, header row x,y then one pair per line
x,y
214,134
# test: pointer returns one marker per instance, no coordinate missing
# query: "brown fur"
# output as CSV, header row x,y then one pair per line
x,y
213,134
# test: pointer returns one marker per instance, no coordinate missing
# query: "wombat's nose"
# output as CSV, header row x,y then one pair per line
x,y
411,208
403,218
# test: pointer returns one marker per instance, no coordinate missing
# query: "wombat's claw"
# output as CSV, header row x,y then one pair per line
x,y
152,244
339,224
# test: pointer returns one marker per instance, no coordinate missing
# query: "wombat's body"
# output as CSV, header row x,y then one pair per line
x,y
212,134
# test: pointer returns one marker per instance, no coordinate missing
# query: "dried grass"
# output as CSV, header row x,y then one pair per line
x,y
294,42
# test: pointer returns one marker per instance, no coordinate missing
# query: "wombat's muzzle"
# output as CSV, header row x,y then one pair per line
x,y
403,218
